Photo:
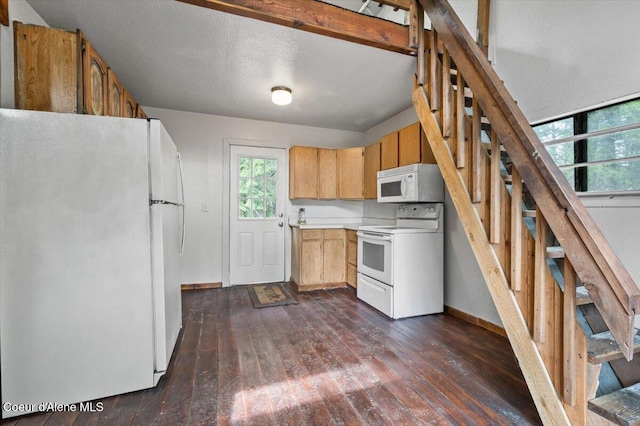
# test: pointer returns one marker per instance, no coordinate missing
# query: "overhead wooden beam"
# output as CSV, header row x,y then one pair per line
x,y
320,18
4,12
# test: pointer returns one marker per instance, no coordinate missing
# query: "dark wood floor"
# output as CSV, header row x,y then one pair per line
x,y
330,359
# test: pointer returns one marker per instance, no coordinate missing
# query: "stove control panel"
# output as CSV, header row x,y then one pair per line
x,y
419,211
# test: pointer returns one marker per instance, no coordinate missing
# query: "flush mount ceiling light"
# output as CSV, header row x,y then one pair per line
x,y
281,95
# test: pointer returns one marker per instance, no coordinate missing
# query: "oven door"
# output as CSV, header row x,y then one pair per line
x,y
375,252
397,189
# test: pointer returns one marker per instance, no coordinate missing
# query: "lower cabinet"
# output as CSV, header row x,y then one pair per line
x,y
352,258
318,258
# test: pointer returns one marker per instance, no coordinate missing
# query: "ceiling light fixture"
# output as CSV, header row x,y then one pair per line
x,y
281,95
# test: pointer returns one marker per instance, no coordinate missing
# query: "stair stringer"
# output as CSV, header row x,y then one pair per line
x,y
538,380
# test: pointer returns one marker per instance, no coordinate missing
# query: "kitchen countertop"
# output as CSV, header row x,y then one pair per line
x,y
336,224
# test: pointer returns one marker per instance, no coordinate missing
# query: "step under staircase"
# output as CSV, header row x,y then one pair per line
x,y
566,302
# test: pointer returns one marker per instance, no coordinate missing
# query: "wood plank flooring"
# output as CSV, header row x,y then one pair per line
x,y
330,359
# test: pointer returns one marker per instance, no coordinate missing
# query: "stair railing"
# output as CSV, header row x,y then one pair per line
x,y
520,214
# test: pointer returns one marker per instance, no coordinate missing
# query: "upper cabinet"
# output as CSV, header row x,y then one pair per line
x,y
303,172
318,173
47,62
114,95
406,146
371,169
389,151
413,147
327,175
350,173
94,71
60,71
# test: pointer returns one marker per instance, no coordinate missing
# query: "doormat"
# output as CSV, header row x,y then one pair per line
x,y
273,294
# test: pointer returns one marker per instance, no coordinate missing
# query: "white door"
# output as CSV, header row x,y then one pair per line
x,y
256,214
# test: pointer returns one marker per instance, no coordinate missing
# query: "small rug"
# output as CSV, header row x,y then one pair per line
x,y
272,294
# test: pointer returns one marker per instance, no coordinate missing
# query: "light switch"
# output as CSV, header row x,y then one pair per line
x,y
205,208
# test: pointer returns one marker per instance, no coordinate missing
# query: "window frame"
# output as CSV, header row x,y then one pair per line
x,y
581,162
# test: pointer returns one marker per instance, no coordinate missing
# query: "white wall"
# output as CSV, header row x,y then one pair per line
x,y
560,56
200,140
19,10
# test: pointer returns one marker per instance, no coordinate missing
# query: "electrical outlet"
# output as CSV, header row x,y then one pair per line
x,y
205,208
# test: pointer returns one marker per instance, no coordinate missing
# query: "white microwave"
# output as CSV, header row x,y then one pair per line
x,y
415,183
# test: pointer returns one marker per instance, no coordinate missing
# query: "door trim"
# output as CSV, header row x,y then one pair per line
x,y
226,204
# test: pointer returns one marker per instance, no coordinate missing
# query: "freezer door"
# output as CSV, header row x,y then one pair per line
x,y
75,276
163,164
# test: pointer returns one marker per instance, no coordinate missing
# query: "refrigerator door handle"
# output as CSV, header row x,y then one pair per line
x,y
184,217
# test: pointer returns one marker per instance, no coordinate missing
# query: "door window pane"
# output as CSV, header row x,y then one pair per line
x,y
257,184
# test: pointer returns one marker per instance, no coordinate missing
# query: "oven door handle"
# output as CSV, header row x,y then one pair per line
x,y
376,237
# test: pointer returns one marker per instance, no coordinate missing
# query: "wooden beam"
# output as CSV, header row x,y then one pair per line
x,y
4,12
319,18
482,36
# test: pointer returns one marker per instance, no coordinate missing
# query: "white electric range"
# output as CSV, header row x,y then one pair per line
x,y
400,268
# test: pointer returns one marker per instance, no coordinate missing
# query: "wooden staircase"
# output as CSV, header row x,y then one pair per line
x,y
554,279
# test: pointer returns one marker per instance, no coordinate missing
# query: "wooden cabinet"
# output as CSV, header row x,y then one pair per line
x,y
389,151
350,173
303,172
327,174
60,71
114,95
129,105
413,146
47,65
352,258
371,168
333,266
317,258
94,71
406,146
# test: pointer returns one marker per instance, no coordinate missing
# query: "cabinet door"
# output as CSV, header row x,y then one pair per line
x,y
46,68
389,151
95,81
350,173
130,106
334,256
327,174
311,262
409,149
140,113
371,168
114,95
303,172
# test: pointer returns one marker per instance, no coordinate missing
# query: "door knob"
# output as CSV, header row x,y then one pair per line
x,y
281,214
280,224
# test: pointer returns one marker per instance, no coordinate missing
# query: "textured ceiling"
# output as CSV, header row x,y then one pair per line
x,y
178,56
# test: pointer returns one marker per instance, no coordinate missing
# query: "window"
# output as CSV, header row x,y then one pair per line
x,y
257,188
597,150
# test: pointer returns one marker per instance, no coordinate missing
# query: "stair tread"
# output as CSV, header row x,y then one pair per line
x,y
621,407
602,347
582,296
555,252
528,213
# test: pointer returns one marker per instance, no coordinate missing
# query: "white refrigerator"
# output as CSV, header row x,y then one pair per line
x,y
91,238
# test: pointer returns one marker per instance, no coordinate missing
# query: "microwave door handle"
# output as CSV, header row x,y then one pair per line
x,y
403,187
